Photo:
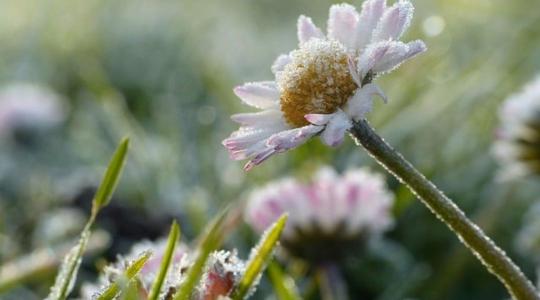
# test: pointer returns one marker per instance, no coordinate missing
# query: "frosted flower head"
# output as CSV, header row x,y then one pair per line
x,y
517,147
325,85
222,272
29,105
327,216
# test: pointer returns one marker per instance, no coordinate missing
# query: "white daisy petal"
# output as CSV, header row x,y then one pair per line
x,y
396,54
292,138
373,54
260,119
372,11
361,102
307,30
334,131
263,94
318,119
280,63
394,22
342,24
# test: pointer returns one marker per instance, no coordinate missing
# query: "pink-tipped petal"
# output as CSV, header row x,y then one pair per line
x,y
292,138
307,30
264,94
259,158
280,63
318,119
334,131
361,102
372,11
342,24
394,22
398,53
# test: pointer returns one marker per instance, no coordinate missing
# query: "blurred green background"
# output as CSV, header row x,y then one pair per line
x,y
162,72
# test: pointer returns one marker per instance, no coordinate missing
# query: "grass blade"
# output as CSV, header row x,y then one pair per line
x,y
112,176
131,271
259,257
284,286
210,241
172,241
65,280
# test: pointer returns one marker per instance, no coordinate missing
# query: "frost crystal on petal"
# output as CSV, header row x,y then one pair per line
x,y
325,76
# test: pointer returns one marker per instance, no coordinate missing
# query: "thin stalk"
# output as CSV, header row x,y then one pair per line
x,y
486,218
493,257
331,283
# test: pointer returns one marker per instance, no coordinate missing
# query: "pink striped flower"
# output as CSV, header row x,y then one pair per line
x,y
325,85
327,216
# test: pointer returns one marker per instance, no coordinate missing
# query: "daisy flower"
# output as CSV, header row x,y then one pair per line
x,y
328,217
517,147
325,85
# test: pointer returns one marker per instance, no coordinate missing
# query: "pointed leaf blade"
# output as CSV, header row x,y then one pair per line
x,y
112,176
131,271
174,236
210,241
258,259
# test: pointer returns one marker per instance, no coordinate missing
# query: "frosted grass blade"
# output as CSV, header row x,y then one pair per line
x,y
172,241
259,257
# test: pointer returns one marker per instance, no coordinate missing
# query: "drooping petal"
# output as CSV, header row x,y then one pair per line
x,y
334,131
281,142
361,102
372,11
318,119
263,94
292,138
307,30
342,24
245,137
397,53
394,22
280,63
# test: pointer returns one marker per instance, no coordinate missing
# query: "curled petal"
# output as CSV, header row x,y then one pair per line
x,y
397,53
394,22
264,94
342,24
281,142
361,102
292,138
280,63
372,11
335,129
318,119
307,30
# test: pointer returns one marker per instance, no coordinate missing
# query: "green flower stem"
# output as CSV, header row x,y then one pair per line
x,y
495,259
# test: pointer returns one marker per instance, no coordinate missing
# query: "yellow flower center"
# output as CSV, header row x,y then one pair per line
x,y
316,81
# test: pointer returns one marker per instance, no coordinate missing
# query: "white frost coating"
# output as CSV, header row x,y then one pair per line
x,y
370,41
67,275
